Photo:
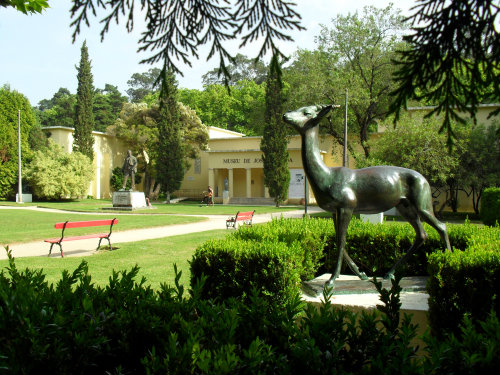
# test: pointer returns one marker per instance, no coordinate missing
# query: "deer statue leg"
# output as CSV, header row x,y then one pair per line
x,y
354,268
409,212
342,219
429,218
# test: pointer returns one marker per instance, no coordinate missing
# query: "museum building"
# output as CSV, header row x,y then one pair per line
x,y
232,160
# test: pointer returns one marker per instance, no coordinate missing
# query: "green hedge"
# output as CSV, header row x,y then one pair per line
x,y
234,267
465,282
76,327
490,206
301,249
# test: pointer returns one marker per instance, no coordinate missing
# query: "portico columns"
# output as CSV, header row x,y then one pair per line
x,y
266,192
230,181
249,182
211,177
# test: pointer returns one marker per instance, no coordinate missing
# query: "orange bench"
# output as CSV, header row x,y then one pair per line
x,y
81,224
243,217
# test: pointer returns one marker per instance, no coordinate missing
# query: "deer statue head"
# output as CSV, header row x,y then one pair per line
x,y
306,118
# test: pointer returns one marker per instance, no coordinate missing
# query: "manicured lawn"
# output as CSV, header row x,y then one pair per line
x,y
155,258
28,225
182,208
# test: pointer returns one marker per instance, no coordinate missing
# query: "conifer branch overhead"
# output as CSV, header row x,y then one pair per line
x,y
176,29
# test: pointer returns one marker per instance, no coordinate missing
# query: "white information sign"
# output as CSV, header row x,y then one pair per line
x,y
297,183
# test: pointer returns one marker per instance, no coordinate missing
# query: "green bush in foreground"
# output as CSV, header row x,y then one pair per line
x,y
465,282
76,327
490,206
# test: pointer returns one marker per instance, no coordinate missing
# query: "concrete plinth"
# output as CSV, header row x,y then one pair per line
x,y
27,198
372,218
357,295
129,200
225,197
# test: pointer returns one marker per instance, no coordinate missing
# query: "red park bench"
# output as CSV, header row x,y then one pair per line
x,y
242,217
82,224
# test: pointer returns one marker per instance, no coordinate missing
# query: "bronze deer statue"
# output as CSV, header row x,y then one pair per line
x,y
344,192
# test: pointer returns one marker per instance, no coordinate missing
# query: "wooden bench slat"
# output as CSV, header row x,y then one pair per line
x,y
83,224
83,237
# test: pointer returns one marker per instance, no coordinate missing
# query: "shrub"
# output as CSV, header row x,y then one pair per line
x,y
234,267
490,206
76,327
56,174
311,235
465,282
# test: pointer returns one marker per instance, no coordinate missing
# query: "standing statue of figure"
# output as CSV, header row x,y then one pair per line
x,y
129,169
226,184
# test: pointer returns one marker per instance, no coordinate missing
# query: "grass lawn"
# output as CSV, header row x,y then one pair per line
x,y
182,208
154,257
28,225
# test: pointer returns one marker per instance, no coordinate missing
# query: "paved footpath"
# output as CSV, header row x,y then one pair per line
x,y
87,247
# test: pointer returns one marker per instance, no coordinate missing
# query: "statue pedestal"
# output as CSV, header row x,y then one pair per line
x,y
372,218
129,200
225,197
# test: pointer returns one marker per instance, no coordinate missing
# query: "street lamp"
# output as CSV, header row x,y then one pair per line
x,y
20,180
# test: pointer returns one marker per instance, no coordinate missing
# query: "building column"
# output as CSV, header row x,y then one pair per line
x,y
230,182
211,178
249,182
266,192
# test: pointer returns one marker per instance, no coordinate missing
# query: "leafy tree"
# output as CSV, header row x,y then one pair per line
x,y
275,141
241,110
170,166
26,6
241,69
176,29
142,84
108,103
59,110
413,144
137,126
481,161
10,102
84,116
56,174
452,59
361,49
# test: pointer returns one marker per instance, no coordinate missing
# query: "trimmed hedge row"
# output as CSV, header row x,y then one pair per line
x,y
76,327
291,250
465,282
274,257
490,206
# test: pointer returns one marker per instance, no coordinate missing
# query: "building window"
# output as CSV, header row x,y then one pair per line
x,y
197,166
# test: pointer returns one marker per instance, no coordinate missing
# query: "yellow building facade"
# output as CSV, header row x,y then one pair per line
x,y
109,153
232,160
235,161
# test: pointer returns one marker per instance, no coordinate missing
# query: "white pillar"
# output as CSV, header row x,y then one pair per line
x,y
211,178
249,182
266,192
230,181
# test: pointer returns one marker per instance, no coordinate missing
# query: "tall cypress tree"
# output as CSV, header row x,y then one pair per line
x,y
170,165
84,117
275,140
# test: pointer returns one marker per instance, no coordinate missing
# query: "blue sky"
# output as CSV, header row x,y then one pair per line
x,y
37,55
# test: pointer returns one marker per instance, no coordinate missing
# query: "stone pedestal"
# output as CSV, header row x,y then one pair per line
x,y
225,197
27,198
129,200
373,218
